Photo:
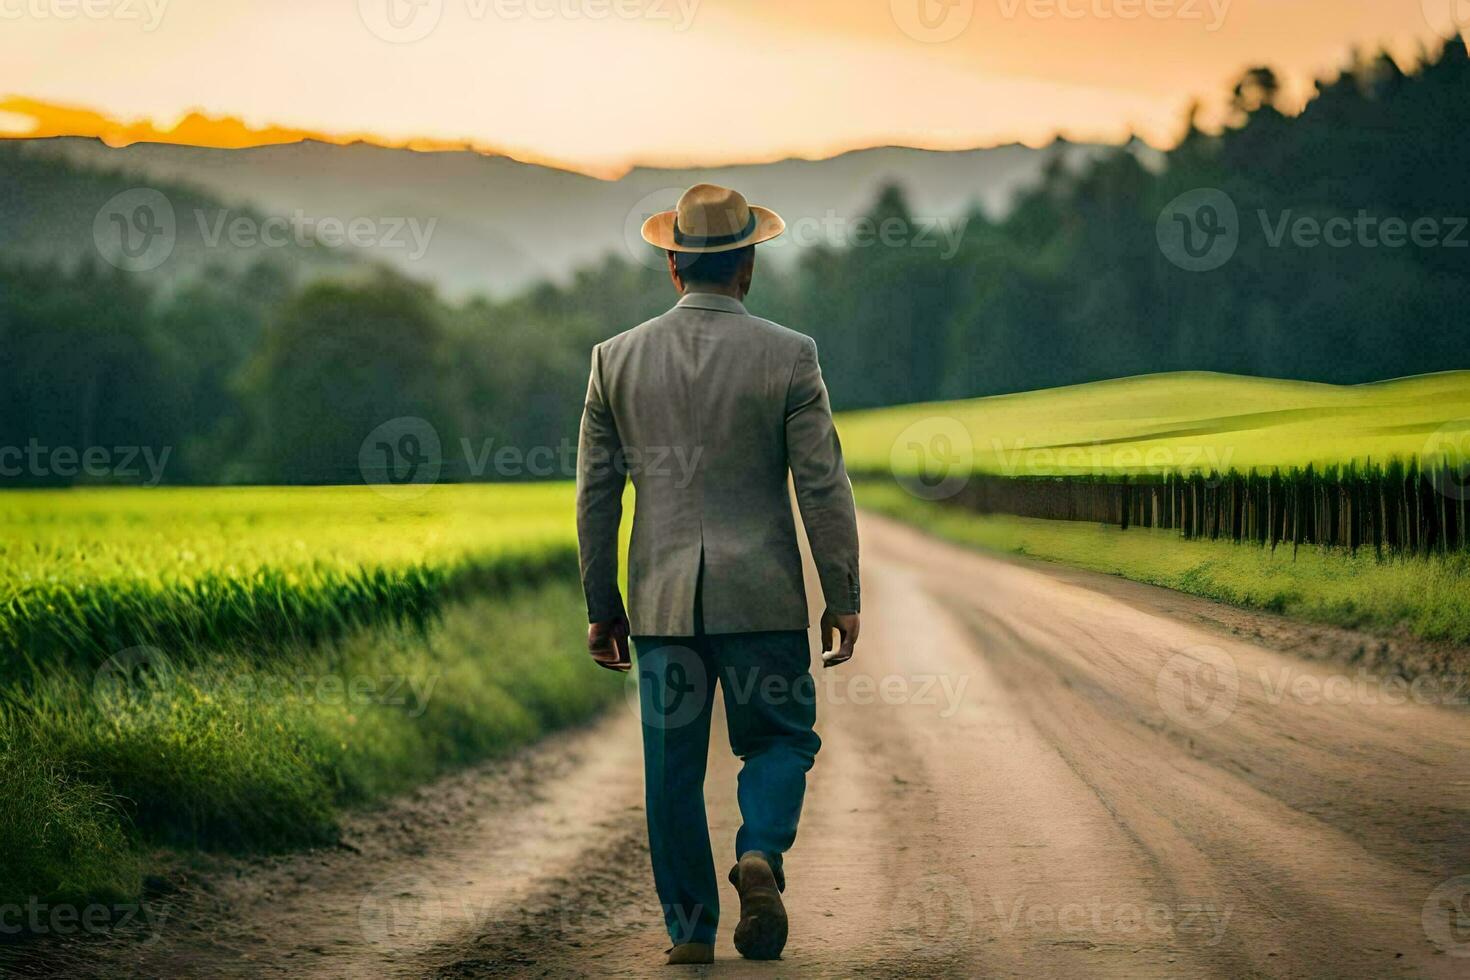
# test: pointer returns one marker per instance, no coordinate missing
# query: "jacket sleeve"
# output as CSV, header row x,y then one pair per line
x,y
600,479
823,491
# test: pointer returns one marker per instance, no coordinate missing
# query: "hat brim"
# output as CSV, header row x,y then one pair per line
x,y
659,231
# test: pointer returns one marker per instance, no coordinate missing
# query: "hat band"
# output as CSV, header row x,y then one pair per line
x,y
713,241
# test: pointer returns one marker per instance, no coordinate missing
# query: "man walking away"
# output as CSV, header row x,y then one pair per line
x,y
708,409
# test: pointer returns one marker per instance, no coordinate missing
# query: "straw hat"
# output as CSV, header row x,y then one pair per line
x,y
712,219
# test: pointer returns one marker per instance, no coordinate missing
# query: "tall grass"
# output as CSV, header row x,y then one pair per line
x,y
62,839
84,574
226,749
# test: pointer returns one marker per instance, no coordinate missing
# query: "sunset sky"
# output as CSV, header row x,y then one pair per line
x,y
602,84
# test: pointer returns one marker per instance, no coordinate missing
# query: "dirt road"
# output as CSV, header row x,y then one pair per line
x,y
1025,772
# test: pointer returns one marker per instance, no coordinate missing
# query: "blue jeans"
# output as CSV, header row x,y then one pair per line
x,y
770,708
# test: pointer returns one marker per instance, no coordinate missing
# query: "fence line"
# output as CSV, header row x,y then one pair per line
x,y
1399,508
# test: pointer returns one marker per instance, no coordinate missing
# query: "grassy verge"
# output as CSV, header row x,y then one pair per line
x,y
1429,598
232,750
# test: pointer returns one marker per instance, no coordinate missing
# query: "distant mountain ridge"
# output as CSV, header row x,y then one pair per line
x,y
490,224
55,209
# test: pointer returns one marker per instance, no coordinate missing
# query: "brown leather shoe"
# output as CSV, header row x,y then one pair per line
x,y
690,954
761,934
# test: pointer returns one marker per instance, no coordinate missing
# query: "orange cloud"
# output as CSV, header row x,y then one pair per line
x,y
39,120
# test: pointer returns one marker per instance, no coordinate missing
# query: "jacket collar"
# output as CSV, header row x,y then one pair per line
x,y
711,301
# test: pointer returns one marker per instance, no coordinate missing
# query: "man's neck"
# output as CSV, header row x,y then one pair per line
x,y
732,291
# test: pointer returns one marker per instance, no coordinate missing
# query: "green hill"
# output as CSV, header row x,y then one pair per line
x,y
1185,421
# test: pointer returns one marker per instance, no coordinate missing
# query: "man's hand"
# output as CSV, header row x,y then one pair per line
x,y
608,644
845,624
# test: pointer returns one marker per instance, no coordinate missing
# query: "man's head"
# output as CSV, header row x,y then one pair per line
x,y
710,239
729,272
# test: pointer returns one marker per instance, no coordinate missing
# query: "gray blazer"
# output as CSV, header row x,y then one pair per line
x,y
707,408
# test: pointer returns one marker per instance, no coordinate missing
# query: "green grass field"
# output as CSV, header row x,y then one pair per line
x,y
1185,422
308,649
84,573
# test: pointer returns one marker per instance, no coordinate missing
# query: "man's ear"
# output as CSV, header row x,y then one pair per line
x,y
678,280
